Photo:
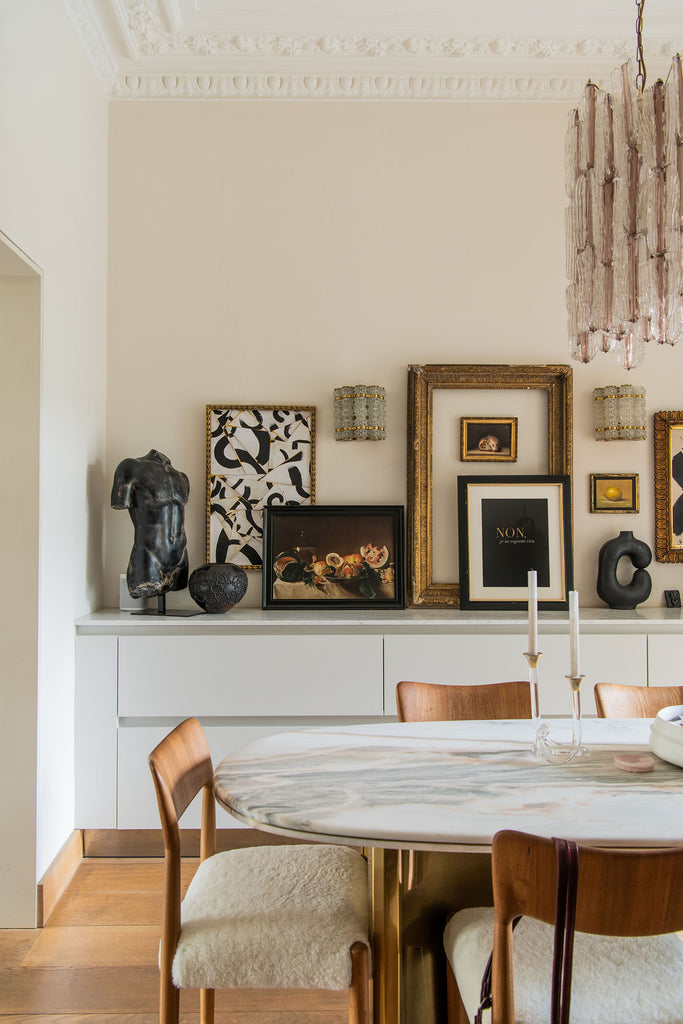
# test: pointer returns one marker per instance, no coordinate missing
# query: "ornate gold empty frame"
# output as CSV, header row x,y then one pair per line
x,y
556,381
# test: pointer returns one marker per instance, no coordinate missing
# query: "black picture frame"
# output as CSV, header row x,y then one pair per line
x,y
507,526
333,556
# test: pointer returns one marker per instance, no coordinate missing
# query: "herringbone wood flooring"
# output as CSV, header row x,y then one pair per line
x,y
96,960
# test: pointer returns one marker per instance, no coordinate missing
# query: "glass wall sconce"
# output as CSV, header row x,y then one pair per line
x,y
619,413
360,413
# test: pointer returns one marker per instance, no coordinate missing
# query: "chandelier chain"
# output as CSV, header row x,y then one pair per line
x,y
641,75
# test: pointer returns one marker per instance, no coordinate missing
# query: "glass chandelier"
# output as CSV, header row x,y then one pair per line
x,y
624,179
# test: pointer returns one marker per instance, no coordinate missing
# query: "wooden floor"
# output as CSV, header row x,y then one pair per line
x,y
96,960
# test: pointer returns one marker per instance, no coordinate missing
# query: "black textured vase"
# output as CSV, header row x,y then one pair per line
x,y
610,590
218,586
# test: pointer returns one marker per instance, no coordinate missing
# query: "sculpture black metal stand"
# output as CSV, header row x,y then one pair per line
x,y
155,495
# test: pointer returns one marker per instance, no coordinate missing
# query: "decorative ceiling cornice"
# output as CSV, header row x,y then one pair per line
x,y
344,86
138,52
91,37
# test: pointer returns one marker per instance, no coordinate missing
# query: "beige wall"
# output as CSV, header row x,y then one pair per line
x,y
271,251
53,187
19,403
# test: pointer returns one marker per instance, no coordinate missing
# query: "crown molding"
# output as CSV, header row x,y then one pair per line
x,y
345,86
139,50
93,39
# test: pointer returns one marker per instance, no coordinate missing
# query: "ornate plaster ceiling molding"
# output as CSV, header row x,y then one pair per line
x,y
92,38
140,49
344,86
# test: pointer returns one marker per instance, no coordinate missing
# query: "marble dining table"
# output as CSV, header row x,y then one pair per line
x,y
425,800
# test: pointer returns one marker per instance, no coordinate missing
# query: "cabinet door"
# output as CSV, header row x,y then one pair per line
x,y
95,732
137,805
451,659
218,676
604,659
665,660
490,659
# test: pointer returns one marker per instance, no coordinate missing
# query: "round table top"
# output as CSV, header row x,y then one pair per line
x,y
445,785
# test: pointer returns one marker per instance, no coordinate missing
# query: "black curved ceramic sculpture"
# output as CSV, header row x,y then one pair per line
x,y
610,590
218,586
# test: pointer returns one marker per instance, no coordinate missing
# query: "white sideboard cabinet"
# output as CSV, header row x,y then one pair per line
x,y
250,673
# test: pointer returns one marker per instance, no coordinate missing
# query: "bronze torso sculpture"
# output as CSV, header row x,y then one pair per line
x,y
155,495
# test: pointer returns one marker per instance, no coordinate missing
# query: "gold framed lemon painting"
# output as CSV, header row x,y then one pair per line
x,y
614,492
341,555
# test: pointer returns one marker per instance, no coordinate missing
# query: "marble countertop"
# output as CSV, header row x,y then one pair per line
x,y
244,620
445,785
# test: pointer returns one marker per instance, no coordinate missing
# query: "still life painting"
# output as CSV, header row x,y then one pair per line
x,y
488,438
614,492
339,554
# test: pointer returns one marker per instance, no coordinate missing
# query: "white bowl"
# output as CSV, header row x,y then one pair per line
x,y
666,734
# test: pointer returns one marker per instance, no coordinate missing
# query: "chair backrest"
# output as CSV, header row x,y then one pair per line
x,y
614,700
620,892
436,702
181,767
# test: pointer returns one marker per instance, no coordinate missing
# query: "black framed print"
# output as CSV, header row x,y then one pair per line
x,y
507,526
343,555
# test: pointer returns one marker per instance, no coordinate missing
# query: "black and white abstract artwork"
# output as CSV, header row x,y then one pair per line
x,y
254,457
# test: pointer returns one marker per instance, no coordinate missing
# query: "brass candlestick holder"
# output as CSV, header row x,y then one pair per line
x,y
545,747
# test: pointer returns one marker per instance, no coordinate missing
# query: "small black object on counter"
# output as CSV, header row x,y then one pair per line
x,y
218,586
610,590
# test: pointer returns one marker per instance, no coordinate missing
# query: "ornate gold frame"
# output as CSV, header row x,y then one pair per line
x,y
466,455
664,549
422,382
632,506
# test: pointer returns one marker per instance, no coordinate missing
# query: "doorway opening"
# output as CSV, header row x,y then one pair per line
x,y
20,348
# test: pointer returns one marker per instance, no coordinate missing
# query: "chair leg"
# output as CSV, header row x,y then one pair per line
x,y
457,1014
169,1002
207,1001
359,993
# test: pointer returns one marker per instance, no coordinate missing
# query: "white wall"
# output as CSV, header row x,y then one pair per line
x,y
53,181
267,252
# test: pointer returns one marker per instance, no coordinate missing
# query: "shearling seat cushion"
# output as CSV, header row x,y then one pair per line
x,y
614,980
273,917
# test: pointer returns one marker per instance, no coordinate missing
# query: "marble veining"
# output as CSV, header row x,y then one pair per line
x,y
441,784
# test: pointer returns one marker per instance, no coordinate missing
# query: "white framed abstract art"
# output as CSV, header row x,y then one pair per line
x,y
256,456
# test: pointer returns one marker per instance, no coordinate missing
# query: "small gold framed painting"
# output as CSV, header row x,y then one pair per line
x,y
488,438
614,492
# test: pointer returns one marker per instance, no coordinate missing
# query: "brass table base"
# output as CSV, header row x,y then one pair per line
x,y
413,894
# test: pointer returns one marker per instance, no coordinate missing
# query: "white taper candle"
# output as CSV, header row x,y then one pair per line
x,y
574,634
533,612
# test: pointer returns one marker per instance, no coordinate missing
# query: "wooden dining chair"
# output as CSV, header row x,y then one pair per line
x,y
270,917
615,700
627,963
437,702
